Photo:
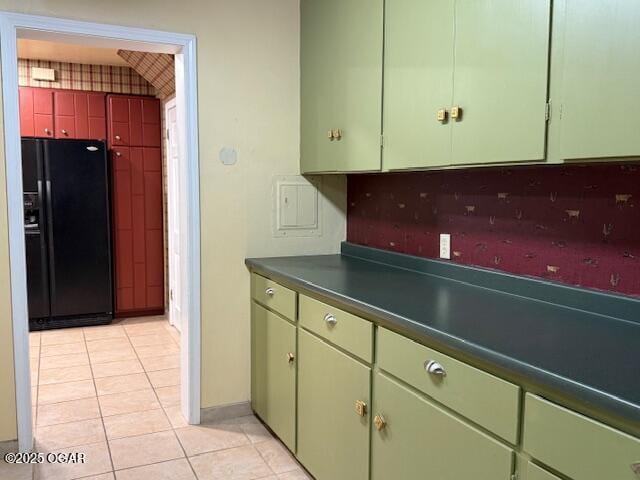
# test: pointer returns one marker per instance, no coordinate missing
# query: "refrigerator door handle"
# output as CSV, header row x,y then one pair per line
x,y
49,233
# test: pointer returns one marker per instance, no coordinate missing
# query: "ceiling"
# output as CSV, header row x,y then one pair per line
x,y
66,52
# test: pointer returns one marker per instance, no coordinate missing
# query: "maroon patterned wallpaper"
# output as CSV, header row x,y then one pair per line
x,y
578,225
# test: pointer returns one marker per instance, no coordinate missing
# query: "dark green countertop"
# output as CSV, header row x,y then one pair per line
x,y
589,357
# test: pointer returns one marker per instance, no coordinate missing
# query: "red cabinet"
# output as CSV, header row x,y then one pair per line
x,y
79,115
36,112
53,113
134,121
134,136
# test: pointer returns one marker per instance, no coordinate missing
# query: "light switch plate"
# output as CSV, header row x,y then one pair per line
x,y
445,246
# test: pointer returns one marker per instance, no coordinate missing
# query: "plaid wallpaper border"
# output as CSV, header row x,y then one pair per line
x,y
157,68
76,76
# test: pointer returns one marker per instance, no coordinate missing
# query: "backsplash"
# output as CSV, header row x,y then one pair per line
x,y
578,225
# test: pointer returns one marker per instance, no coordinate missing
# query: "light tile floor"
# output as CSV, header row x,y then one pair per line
x,y
112,393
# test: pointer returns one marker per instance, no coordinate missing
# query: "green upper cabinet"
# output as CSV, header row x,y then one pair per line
x,y
594,79
500,80
418,82
488,58
341,85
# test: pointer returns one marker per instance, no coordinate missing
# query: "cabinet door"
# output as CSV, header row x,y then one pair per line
x,y
333,439
341,84
118,120
43,112
64,112
421,440
594,79
273,364
500,80
97,118
154,226
418,82
27,128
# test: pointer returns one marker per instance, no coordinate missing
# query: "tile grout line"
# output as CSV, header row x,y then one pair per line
x,y
104,429
173,430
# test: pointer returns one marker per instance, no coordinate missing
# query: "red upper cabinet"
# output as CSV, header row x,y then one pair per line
x,y
134,121
36,112
79,115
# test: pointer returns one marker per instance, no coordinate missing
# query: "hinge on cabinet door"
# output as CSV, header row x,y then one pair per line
x,y
382,141
171,294
547,111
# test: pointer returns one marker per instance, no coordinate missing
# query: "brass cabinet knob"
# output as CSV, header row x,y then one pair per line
x,y
270,291
330,319
456,112
635,467
379,422
46,130
118,154
337,134
290,357
434,368
361,408
330,134
118,137
64,132
441,115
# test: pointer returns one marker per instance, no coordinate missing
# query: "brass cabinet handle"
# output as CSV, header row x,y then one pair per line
x,y
118,137
361,408
330,134
635,467
337,134
434,368
441,115
379,422
270,291
290,357
456,112
330,319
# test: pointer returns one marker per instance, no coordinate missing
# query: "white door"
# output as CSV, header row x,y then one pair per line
x,y
174,170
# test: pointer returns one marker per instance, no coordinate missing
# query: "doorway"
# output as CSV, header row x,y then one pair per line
x,y
14,26
175,239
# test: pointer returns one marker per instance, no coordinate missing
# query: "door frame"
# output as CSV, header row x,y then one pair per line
x,y
171,206
14,25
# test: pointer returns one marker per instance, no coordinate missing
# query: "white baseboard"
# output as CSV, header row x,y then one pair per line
x,y
225,412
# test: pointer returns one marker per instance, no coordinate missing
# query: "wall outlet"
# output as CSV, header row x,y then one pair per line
x,y
445,246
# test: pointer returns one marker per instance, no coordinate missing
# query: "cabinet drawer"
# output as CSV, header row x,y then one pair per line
x,y
487,400
575,445
273,295
534,472
343,329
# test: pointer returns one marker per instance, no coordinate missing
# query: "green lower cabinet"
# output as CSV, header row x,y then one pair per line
x,y
273,379
413,438
534,472
333,439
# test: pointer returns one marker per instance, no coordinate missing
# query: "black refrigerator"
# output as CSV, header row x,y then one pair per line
x,y
67,233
